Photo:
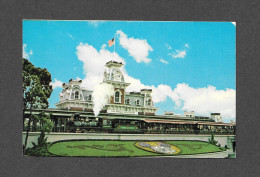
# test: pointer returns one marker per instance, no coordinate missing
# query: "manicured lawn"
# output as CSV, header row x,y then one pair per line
x,y
111,148
194,147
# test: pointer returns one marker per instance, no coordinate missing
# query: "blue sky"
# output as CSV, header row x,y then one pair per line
x,y
195,55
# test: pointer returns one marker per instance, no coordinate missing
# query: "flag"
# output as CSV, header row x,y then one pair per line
x,y
111,42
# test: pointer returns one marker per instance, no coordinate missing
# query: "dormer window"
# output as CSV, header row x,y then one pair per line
x,y
76,95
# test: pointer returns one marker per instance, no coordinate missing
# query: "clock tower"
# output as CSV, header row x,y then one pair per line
x,y
114,76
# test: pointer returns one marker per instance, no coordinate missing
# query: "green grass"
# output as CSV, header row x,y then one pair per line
x,y
111,148
194,147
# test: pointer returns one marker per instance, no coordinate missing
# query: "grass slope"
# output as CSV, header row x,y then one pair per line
x,y
93,148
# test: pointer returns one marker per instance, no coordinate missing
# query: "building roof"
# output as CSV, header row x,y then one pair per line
x,y
146,90
169,121
114,63
136,93
64,113
215,113
187,122
216,123
111,61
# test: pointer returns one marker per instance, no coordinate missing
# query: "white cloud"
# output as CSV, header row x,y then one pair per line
x,y
137,48
94,63
136,84
178,54
25,54
103,46
205,100
234,23
161,92
163,61
201,100
56,84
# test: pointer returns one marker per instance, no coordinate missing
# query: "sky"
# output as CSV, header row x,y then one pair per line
x,y
191,66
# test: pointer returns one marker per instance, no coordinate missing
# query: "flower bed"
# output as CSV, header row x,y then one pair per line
x,y
109,148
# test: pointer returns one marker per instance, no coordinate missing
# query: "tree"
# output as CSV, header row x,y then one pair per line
x,y
36,91
212,140
46,126
40,149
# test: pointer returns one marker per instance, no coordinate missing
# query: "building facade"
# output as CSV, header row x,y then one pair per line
x,y
76,97
126,112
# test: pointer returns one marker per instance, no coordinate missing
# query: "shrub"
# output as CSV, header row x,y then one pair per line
x,y
37,151
211,140
40,149
83,131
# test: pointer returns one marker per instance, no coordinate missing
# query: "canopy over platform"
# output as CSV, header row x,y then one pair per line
x,y
169,122
188,122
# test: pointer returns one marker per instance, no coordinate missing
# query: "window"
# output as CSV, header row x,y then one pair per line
x,y
127,101
117,95
149,102
137,102
89,97
77,95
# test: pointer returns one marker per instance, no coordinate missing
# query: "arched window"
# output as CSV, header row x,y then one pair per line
x,y
149,102
117,97
76,95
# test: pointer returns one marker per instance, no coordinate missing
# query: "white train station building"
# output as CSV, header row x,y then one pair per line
x,y
75,97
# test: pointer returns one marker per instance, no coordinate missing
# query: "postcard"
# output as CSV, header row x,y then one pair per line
x,y
146,89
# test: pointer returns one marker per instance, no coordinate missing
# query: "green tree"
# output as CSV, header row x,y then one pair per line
x,y
212,140
36,91
46,125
